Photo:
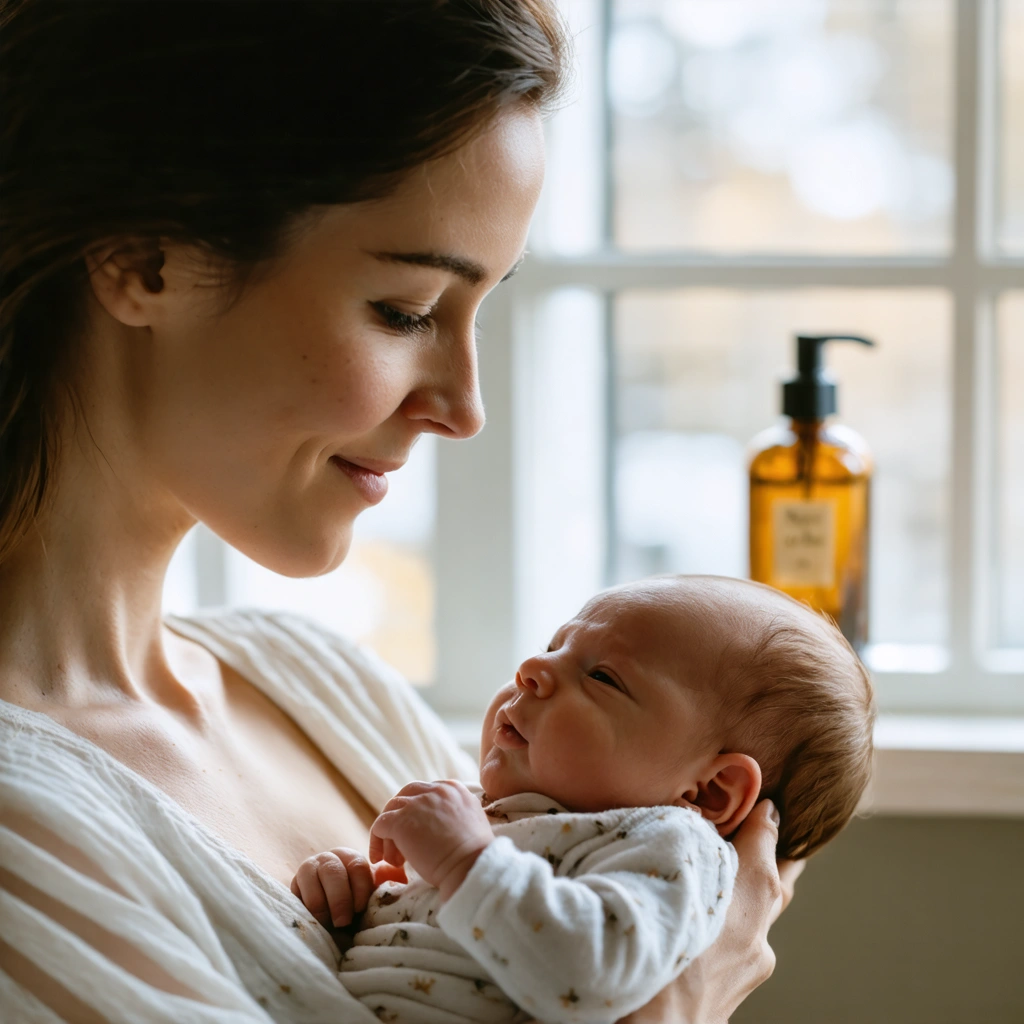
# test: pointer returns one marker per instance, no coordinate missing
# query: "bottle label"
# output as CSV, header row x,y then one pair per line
x,y
805,543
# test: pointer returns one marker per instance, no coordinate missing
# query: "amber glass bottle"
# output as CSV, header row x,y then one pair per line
x,y
810,500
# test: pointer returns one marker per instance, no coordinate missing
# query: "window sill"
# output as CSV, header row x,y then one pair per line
x,y
947,766
925,765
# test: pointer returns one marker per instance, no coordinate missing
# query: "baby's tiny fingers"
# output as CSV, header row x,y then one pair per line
x,y
376,848
384,872
415,788
360,876
381,831
311,892
334,878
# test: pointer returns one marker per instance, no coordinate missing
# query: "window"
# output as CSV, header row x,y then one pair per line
x,y
729,174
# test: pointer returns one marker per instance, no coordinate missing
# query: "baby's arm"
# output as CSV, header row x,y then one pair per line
x,y
651,895
334,885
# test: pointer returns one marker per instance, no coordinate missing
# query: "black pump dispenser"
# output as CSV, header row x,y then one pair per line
x,y
811,395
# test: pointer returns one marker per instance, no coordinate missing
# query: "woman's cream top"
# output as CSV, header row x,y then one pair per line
x,y
202,911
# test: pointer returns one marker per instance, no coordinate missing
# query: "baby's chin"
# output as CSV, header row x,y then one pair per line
x,y
497,781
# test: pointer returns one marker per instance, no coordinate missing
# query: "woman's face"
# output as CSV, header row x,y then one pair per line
x,y
273,422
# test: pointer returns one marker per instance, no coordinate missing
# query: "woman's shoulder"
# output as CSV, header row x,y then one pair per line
x,y
285,652
359,709
286,645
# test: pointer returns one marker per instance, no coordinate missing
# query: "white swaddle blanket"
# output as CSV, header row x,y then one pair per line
x,y
200,910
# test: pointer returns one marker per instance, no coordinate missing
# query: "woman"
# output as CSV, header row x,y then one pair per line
x,y
243,249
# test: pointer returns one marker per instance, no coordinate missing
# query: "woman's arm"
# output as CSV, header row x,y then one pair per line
x,y
711,988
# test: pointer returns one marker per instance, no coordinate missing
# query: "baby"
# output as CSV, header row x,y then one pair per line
x,y
594,865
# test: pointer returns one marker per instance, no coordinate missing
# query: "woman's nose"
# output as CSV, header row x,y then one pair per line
x,y
536,676
449,404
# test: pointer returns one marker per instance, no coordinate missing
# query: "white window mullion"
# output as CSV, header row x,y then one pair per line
x,y
975,58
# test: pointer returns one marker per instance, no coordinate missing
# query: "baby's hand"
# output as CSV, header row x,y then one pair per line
x,y
438,827
335,885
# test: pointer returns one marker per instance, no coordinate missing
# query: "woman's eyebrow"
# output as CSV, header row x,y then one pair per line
x,y
468,270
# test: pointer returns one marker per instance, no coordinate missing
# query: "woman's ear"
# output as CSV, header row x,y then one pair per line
x,y
727,791
124,277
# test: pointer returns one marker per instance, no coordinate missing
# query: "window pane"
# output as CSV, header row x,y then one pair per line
x,y
561,492
819,126
1009,560
698,376
1011,34
570,214
383,593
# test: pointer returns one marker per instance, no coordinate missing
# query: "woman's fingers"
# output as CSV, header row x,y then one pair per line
x,y
758,895
758,872
789,872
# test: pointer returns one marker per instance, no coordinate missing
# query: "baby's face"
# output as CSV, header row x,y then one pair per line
x,y
615,713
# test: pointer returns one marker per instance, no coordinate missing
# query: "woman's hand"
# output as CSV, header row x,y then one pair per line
x,y
438,827
711,988
334,885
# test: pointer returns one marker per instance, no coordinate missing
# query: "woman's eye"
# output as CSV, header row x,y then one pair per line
x,y
404,323
603,677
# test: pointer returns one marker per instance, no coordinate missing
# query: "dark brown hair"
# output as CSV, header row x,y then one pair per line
x,y
217,124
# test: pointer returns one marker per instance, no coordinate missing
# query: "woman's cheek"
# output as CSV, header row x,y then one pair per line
x,y
365,393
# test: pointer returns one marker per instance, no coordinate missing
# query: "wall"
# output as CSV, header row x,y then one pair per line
x,y
903,921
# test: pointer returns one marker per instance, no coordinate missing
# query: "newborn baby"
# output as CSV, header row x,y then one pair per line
x,y
594,865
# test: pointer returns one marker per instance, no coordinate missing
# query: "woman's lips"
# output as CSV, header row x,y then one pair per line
x,y
372,486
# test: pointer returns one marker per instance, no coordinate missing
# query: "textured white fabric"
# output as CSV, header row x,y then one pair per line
x,y
205,913
572,917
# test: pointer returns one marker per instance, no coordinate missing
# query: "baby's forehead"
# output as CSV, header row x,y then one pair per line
x,y
667,602
715,619
653,621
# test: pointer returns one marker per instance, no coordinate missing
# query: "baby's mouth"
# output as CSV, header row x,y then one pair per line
x,y
507,736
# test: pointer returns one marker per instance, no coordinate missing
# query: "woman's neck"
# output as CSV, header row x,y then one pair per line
x,y
80,598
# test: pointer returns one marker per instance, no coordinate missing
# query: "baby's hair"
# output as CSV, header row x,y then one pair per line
x,y
804,709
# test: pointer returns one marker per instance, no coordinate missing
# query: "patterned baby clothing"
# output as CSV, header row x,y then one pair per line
x,y
564,917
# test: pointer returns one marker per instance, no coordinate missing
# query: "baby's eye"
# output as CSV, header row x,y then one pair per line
x,y
603,677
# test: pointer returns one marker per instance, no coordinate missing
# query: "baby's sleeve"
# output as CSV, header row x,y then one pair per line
x,y
642,902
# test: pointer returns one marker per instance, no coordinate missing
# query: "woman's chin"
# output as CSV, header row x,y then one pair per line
x,y
298,557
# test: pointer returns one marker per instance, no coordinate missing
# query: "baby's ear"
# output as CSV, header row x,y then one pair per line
x,y
726,792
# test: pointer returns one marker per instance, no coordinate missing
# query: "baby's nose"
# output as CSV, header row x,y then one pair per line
x,y
536,677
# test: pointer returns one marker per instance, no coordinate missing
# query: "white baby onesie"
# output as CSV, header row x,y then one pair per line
x,y
564,917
